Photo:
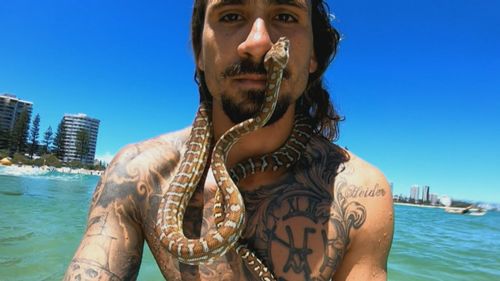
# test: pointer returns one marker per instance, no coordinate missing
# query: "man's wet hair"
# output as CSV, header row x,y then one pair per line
x,y
316,100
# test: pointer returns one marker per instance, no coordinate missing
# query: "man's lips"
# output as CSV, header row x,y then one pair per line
x,y
251,81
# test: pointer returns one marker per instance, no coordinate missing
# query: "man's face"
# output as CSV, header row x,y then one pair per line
x,y
236,36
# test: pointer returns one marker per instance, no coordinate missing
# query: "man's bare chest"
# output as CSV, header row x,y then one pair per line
x,y
297,227
292,230
297,232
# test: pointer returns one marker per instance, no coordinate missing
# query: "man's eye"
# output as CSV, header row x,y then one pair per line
x,y
231,18
287,18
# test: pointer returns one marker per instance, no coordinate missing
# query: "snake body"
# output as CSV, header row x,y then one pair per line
x,y
229,205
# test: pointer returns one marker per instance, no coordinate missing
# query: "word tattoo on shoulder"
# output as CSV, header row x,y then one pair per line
x,y
353,191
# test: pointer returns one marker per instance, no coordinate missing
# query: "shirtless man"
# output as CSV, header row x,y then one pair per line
x,y
329,216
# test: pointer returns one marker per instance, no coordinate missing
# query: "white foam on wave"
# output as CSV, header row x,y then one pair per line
x,y
37,172
22,171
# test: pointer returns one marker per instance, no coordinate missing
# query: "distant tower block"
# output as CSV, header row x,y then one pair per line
x,y
10,109
414,193
73,123
425,193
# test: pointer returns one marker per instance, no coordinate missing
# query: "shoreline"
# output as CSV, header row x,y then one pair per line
x,y
63,170
419,205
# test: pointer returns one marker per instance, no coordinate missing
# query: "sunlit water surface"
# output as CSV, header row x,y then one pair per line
x,y
43,215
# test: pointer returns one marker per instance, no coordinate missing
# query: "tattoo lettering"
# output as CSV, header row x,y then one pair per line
x,y
361,192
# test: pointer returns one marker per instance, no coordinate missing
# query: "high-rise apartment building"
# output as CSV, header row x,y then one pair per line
x,y
425,194
434,199
73,123
10,109
414,193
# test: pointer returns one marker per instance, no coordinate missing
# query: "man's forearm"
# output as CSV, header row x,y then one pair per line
x,y
82,269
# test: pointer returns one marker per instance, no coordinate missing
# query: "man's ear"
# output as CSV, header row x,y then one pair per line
x,y
313,64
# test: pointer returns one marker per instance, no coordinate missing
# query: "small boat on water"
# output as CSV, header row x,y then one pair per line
x,y
472,211
455,210
477,212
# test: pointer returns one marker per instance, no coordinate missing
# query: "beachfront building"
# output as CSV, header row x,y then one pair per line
x,y
414,193
73,123
434,199
425,194
11,108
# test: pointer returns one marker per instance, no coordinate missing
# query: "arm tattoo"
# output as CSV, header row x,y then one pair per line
x,y
110,250
119,212
137,174
81,269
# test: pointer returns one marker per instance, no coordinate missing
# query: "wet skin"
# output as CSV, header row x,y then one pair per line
x,y
330,215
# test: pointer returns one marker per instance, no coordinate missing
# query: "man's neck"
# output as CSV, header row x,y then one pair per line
x,y
263,141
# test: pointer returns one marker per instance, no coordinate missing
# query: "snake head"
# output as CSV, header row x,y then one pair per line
x,y
278,54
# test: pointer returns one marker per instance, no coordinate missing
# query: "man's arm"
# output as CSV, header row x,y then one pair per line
x,y
366,257
111,248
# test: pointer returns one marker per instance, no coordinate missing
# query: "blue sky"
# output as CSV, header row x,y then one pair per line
x,y
417,81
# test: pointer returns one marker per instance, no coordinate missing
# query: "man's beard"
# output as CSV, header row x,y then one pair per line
x,y
251,106
253,99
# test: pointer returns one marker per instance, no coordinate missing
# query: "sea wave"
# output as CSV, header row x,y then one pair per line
x,y
22,171
432,245
42,173
16,238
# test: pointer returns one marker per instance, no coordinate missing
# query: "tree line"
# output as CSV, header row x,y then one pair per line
x,y
23,143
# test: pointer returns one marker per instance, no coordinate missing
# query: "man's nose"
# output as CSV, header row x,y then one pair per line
x,y
257,43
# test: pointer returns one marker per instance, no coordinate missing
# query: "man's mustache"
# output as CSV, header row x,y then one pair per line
x,y
248,67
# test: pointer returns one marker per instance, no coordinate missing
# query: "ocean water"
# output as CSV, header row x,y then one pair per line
x,y
43,215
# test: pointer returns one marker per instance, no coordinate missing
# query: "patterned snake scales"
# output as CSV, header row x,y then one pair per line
x,y
229,209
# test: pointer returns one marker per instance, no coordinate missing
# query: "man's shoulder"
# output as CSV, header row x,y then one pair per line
x,y
137,165
364,186
362,182
358,171
364,195
155,150
350,171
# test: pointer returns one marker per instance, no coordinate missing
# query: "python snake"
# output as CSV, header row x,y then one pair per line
x,y
229,209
